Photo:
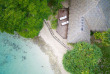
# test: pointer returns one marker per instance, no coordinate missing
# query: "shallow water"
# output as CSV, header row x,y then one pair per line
x,y
21,56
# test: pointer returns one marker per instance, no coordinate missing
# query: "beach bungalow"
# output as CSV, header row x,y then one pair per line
x,y
86,16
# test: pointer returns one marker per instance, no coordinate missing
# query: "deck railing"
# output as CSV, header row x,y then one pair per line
x,y
53,35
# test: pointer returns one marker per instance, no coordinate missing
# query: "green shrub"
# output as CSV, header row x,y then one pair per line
x,y
104,36
83,59
97,35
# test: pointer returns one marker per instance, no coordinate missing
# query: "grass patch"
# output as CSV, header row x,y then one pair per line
x,y
71,44
54,23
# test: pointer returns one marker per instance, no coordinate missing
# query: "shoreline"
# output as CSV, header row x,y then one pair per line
x,y
53,49
47,50
18,52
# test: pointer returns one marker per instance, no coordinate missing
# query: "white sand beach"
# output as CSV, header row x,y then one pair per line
x,y
55,47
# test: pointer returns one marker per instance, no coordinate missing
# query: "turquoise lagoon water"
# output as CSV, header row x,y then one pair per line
x,y
21,56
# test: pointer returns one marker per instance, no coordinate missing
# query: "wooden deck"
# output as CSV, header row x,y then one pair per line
x,y
62,29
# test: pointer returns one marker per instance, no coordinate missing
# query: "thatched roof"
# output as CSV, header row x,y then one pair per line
x,y
96,19
78,32
93,16
76,11
62,29
105,6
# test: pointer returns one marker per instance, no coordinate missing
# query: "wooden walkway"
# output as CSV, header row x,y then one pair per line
x,y
62,29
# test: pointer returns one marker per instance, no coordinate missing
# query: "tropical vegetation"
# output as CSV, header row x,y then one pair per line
x,y
83,59
104,37
25,16
104,44
55,5
105,60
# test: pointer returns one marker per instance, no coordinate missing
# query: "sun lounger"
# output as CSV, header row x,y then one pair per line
x,y
62,18
64,23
